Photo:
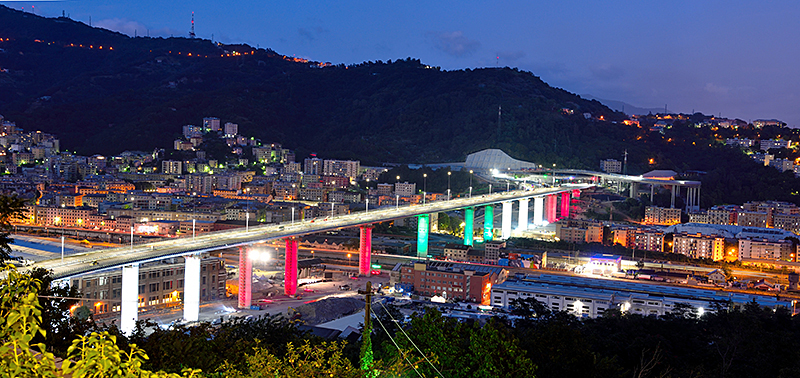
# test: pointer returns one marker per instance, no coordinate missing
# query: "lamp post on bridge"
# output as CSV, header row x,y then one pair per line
x,y
424,187
470,183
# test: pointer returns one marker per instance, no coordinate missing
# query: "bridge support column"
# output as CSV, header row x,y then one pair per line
x,y
506,226
565,199
538,211
469,223
290,267
576,193
522,222
423,228
245,278
634,190
672,198
191,289
488,223
551,208
129,308
365,250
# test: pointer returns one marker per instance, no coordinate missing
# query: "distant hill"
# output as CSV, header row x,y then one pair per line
x,y
139,94
624,107
104,92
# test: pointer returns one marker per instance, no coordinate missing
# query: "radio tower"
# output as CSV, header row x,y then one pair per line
x,y
191,33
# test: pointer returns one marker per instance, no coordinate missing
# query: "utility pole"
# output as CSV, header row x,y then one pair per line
x,y
366,339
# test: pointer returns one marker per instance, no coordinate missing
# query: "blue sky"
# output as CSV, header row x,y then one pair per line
x,y
734,58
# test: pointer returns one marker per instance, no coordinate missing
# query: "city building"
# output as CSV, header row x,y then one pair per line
x,y
699,246
457,252
579,231
465,282
313,166
231,130
341,168
171,167
611,166
767,145
661,215
591,297
161,285
211,124
766,250
405,189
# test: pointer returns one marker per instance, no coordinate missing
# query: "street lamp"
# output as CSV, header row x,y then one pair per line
x,y
397,202
448,185
490,188
348,259
470,183
424,186
367,206
292,214
58,220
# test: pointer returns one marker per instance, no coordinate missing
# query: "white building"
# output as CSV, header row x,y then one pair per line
x,y
341,168
611,166
405,189
211,124
171,167
766,250
231,129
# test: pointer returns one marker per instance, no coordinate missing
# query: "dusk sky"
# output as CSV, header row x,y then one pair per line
x,y
739,59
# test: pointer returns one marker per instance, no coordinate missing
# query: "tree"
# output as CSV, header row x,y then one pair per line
x,y
12,208
95,355
306,360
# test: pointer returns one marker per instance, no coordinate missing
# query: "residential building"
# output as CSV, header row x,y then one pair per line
x,y
767,145
752,219
766,250
171,167
210,124
405,189
492,251
699,246
742,143
161,285
611,166
231,130
341,168
465,282
579,231
782,165
661,215
313,166
457,252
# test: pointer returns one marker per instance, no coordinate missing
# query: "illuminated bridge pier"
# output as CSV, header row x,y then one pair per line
x,y
130,258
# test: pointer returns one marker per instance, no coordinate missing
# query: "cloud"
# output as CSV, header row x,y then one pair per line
x,y
134,28
510,57
607,72
716,89
454,43
311,34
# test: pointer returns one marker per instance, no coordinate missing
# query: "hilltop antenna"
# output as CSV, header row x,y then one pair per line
x,y
191,33
498,61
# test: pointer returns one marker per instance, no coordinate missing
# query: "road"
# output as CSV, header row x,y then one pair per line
x,y
96,260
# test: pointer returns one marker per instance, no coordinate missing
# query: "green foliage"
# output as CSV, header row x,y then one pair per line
x,y
95,355
12,208
306,360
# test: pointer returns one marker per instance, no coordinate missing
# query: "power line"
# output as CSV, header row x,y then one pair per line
x,y
395,343
409,339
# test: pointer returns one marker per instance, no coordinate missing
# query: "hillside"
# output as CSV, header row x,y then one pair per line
x,y
143,90
136,93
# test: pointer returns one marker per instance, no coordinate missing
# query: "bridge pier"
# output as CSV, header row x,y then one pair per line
x,y
129,311
469,223
522,222
245,278
551,208
634,190
538,211
506,221
423,228
290,267
191,289
565,197
488,223
365,250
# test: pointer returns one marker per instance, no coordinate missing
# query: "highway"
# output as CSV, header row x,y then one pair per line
x,y
112,258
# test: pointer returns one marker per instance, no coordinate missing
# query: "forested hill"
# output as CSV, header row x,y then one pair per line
x,y
135,93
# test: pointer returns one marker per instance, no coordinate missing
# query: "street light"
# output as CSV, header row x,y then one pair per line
x,y
367,206
292,214
424,187
470,183
490,188
448,185
397,202
348,259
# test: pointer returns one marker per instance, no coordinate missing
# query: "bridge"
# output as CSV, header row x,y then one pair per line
x,y
190,248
